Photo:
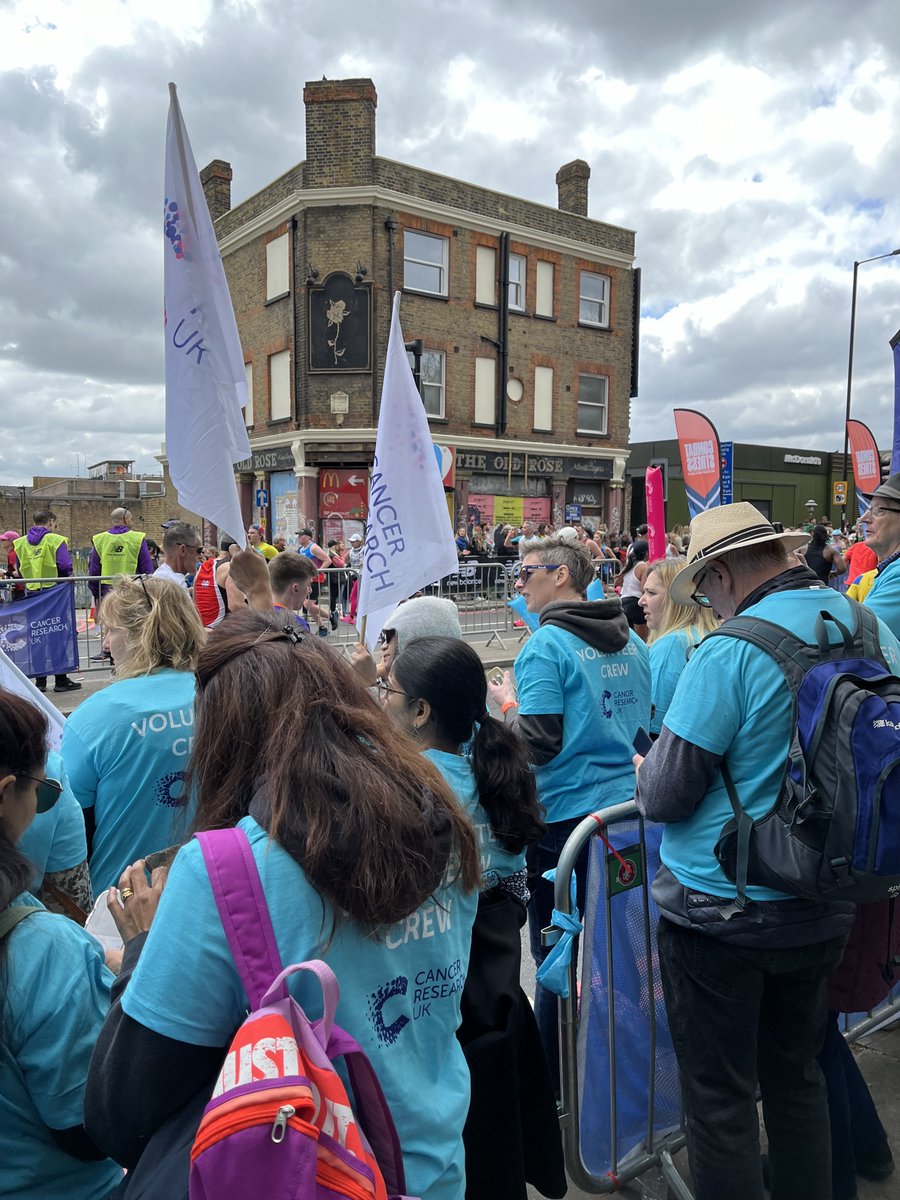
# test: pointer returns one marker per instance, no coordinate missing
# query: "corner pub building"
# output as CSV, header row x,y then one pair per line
x,y
520,322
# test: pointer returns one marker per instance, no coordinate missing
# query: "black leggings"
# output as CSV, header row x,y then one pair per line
x,y
633,611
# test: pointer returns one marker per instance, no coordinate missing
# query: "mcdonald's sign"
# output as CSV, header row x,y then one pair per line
x,y
344,492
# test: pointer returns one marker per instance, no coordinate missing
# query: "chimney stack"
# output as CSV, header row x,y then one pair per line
x,y
572,182
340,132
216,179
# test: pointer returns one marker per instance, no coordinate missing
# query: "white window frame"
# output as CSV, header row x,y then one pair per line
x,y
278,274
442,267
485,275
517,286
543,399
544,281
601,320
604,405
429,388
283,368
248,411
485,391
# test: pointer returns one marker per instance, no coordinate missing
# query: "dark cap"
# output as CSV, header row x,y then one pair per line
x,y
890,489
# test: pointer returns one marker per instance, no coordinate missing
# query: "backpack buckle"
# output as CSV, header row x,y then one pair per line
x,y
841,869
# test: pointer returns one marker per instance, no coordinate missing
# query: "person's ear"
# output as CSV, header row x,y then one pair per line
x,y
421,713
7,784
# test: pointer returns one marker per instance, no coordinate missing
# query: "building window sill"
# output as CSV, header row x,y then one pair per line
x,y
275,299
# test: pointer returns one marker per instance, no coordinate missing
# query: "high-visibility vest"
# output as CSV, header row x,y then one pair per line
x,y
38,562
118,551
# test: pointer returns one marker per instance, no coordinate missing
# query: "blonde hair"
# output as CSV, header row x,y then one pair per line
x,y
160,623
678,616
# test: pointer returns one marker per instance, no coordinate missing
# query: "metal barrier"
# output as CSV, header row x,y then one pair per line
x,y
641,1074
480,591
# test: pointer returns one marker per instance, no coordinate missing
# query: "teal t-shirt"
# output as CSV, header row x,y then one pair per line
x,y
126,751
399,996
496,863
883,597
668,658
603,698
56,998
733,698
55,840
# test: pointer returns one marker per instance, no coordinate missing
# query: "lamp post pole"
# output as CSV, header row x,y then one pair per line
x,y
856,267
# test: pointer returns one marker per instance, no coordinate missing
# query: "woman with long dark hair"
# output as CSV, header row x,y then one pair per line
x,y
54,993
367,861
437,693
630,583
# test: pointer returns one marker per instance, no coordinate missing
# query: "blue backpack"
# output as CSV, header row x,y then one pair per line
x,y
834,831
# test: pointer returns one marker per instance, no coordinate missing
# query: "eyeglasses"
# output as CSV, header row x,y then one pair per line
x,y
696,595
385,688
524,573
879,512
48,791
146,594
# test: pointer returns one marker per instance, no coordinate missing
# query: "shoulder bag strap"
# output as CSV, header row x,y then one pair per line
x,y
10,917
239,897
372,1109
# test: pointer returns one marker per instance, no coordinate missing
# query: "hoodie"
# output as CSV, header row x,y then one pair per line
x,y
584,691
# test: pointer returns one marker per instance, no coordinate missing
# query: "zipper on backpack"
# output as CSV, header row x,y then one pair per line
x,y
281,1119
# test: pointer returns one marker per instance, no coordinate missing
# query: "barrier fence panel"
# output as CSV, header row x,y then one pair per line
x,y
620,1092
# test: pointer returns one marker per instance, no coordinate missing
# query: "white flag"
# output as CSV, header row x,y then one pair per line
x,y
409,538
206,385
12,680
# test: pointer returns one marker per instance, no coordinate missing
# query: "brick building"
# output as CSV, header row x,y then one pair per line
x,y
520,319
83,504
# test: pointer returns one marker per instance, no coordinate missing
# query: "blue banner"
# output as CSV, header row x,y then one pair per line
x,y
39,633
726,449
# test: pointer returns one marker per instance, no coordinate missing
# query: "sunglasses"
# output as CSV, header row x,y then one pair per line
x,y
385,636
525,573
48,791
696,595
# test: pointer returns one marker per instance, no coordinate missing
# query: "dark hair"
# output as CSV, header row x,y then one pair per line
x,y
152,546
44,517
639,552
448,674
289,568
23,733
371,821
819,536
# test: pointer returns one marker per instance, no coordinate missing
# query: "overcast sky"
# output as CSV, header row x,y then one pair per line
x,y
753,147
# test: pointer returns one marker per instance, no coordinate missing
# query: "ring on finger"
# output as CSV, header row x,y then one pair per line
x,y
126,893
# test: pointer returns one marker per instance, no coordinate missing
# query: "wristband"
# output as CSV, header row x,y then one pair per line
x,y
504,708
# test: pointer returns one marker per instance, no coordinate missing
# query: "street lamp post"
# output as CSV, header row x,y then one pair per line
x,y
856,267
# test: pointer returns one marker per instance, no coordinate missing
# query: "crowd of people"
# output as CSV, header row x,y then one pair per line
x,y
405,839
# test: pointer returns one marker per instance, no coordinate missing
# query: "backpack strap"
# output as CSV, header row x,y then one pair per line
x,y
868,633
744,829
372,1110
237,891
10,917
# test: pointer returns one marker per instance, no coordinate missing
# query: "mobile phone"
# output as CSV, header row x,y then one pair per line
x,y
495,675
642,743
161,858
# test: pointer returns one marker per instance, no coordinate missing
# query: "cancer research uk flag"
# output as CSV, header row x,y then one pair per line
x,y
206,385
409,540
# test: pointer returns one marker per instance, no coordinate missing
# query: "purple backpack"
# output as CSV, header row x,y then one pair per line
x,y
280,1124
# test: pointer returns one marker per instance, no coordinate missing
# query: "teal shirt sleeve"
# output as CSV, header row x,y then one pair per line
x,y
69,845
58,995
185,985
707,709
539,681
80,766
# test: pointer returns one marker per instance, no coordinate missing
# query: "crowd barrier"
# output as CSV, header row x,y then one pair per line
x,y
621,1111
52,629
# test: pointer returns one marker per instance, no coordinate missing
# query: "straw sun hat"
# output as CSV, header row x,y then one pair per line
x,y
719,530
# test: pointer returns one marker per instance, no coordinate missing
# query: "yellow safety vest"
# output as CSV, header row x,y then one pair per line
x,y
38,562
118,551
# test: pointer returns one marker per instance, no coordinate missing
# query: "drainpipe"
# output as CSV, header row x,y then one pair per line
x,y
298,391
503,336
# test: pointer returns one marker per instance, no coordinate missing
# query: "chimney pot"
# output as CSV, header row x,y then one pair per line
x,y
216,179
